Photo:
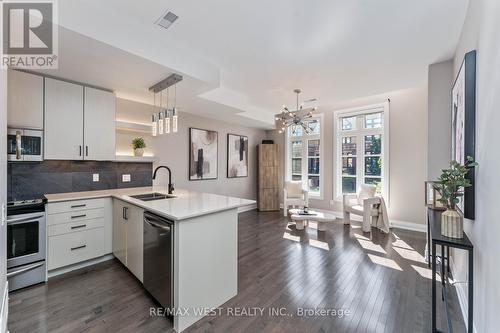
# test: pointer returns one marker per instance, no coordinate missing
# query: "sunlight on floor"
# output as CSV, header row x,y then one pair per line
x,y
410,254
425,272
358,236
386,262
406,251
319,244
401,243
370,246
286,235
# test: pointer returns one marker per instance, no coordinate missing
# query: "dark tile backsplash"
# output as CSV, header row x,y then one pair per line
x,y
34,179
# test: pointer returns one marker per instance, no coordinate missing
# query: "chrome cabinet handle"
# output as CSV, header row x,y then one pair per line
x,y
78,247
86,150
78,206
78,216
78,226
125,215
80,153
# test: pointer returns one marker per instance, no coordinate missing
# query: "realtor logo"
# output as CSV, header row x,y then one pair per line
x,y
29,34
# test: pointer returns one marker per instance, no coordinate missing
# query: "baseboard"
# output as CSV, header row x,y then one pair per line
x,y
4,314
79,265
408,225
462,295
247,208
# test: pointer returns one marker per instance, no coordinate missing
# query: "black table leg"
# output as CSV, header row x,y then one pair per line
x,y
434,287
471,292
429,243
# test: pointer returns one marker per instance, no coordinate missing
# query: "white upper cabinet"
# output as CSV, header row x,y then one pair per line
x,y
63,130
24,100
79,122
99,125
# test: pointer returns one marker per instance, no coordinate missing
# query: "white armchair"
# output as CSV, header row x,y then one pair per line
x,y
294,195
365,204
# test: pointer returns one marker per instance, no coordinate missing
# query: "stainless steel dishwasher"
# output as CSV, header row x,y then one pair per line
x,y
158,258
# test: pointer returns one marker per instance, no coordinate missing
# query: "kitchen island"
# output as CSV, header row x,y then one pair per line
x,y
205,238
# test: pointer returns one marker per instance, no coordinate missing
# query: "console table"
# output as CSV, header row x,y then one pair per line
x,y
436,239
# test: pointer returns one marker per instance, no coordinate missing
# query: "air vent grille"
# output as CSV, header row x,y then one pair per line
x,y
167,19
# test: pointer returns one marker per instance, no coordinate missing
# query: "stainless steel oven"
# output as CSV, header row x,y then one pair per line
x,y
26,246
24,145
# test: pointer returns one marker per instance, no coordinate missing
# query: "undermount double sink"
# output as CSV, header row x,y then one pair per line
x,y
152,196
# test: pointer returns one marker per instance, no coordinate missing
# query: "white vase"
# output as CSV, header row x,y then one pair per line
x,y
452,224
138,152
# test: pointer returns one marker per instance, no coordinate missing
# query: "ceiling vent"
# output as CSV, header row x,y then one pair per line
x,y
167,19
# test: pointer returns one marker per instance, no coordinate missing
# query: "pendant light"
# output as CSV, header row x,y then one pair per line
x,y
167,117
174,111
161,115
165,120
154,127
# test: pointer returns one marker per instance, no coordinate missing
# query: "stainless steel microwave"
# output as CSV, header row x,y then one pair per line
x,y
24,145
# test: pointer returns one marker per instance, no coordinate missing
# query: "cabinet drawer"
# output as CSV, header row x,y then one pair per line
x,y
71,206
76,226
75,247
77,215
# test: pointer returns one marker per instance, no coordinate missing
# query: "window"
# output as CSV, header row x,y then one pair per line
x,y
304,154
362,149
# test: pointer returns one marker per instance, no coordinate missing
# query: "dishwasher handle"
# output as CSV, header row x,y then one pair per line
x,y
157,225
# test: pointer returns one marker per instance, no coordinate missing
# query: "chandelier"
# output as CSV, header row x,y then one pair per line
x,y
298,117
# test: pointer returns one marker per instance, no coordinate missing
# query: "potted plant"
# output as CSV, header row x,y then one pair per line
x,y
451,185
138,144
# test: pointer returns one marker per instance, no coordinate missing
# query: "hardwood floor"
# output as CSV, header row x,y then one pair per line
x,y
382,280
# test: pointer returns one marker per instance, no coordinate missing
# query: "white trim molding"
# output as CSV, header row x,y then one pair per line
x,y
461,289
4,314
74,267
247,208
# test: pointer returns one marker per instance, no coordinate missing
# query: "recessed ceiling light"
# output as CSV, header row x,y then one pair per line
x,y
167,19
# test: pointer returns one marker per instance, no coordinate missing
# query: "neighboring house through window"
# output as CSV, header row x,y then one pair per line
x,y
304,156
362,149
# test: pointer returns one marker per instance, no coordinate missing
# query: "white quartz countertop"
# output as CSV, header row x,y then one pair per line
x,y
185,205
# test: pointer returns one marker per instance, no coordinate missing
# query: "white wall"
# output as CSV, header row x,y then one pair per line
x,y
440,79
172,150
3,184
482,32
408,152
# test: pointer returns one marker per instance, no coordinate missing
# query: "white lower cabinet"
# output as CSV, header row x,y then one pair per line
x,y
78,231
128,236
75,247
119,231
81,230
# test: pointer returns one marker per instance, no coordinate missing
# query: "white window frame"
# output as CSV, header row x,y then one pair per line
x,y
361,132
305,158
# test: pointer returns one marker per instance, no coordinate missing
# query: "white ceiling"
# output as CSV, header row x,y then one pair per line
x,y
242,59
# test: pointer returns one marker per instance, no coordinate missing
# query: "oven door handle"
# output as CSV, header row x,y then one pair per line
x,y
25,269
18,145
24,219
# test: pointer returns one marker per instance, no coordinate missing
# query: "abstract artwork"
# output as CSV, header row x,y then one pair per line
x,y
463,122
237,156
203,145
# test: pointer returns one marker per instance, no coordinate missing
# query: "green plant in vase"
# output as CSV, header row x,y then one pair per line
x,y
138,144
451,186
